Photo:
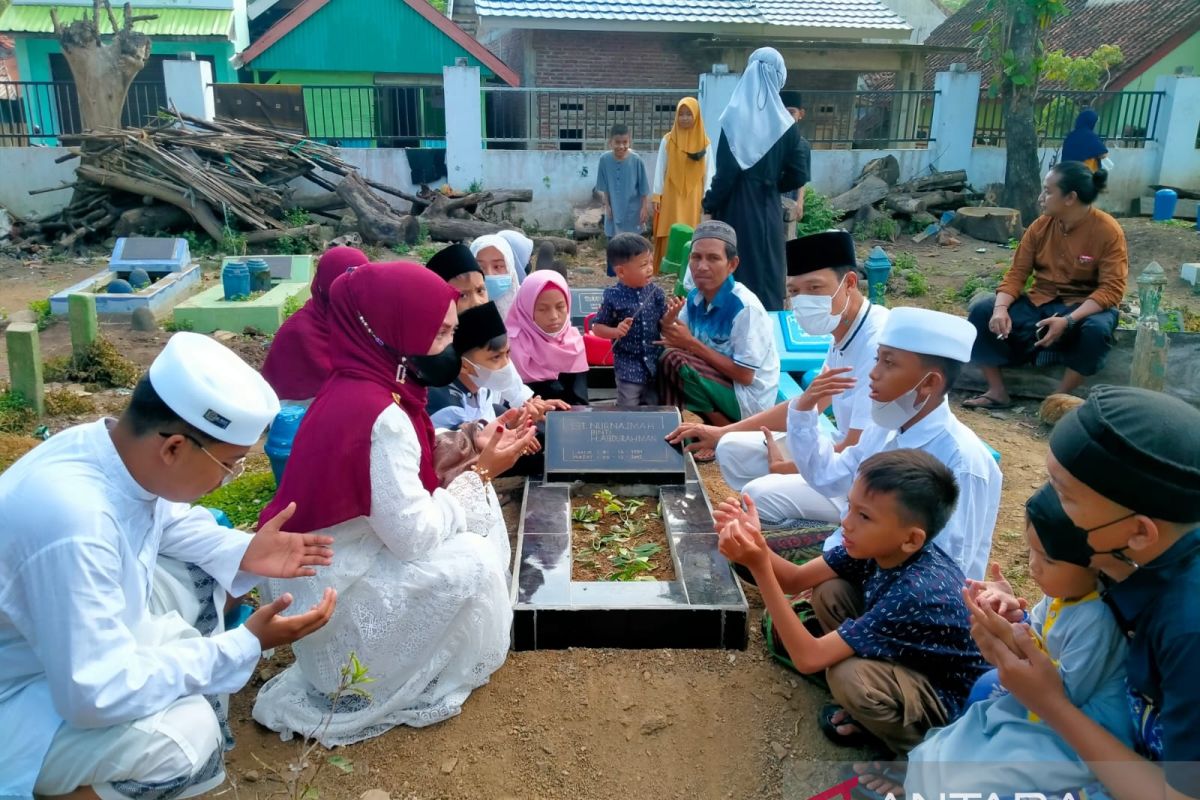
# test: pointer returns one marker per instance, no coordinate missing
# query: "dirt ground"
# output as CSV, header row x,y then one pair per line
x,y
602,723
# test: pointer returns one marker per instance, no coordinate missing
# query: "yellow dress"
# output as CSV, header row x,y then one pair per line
x,y
680,179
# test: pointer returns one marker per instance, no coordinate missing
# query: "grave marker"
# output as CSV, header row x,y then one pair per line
x,y
25,364
606,445
584,302
85,325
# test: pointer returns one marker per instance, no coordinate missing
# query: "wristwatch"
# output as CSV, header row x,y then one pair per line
x,y
1071,323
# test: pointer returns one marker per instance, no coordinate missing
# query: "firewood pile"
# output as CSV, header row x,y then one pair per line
x,y
878,193
231,177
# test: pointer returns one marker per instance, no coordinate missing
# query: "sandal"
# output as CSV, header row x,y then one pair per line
x,y
986,403
777,651
706,455
860,738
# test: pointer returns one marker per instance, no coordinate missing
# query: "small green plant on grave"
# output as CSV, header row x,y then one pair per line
x,y
586,514
15,415
632,562
244,499
44,316
291,305
101,364
299,777
175,325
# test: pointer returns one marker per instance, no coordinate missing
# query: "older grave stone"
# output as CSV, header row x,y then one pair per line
x,y
85,325
25,364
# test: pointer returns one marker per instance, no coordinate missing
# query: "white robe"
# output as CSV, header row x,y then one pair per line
x,y
79,644
423,601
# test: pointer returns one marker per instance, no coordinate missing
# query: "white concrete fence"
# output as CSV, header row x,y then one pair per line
x,y
563,180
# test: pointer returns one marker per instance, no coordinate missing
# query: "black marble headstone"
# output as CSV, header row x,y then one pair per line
x,y
610,445
584,302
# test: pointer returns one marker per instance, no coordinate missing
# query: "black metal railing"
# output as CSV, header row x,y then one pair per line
x,y
39,112
1126,119
871,120
576,119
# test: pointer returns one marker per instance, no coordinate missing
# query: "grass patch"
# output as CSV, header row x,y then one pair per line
x,y
244,499
64,403
15,416
907,270
175,326
100,364
291,305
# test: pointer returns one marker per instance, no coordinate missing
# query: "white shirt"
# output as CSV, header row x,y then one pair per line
x,y
742,331
852,409
77,552
660,168
967,537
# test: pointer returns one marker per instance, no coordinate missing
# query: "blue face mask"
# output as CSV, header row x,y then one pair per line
x,y
498,285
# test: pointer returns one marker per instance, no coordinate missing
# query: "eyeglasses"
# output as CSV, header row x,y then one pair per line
x,y
231,473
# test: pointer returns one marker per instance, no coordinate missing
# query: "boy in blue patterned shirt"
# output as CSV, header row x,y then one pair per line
x,y
890,630
629,315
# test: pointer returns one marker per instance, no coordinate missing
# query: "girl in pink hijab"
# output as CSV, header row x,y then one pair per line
x,y
298,361
547,351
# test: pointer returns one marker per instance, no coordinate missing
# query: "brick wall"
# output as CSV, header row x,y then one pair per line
x,y
509,47
613,59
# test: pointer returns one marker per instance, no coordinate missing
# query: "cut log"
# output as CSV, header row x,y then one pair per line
x,y
303,232
501,196
919,203
886,169
955,179
989,223
150,220
198,210
378,223
330,201
870,191
588,223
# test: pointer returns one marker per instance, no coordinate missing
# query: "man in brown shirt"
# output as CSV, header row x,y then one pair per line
x,y
1079,262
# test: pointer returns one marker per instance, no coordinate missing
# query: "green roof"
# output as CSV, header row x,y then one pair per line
x,y
171,22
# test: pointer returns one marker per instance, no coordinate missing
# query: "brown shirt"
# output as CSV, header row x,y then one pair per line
x,y
1089,262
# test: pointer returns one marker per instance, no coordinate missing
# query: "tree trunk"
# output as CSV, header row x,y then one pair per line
x,y
378,223
989,224
1022,178
103,70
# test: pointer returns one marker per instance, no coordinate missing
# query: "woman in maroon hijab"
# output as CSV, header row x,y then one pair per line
x,y
298,361
421,571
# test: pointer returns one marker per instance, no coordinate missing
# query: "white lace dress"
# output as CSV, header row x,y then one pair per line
x,y
422,600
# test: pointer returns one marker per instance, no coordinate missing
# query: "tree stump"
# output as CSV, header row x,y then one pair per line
x,y
886,169
989,223
378,222
870,191
588,223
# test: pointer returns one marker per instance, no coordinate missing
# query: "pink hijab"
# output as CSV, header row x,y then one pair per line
x,y
542,356
298,361
329,471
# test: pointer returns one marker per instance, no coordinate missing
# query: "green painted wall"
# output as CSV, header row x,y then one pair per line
x,y
1186,55
345,113
366,36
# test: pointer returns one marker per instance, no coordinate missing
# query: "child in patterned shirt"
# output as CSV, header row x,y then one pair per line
x,y
890,631
629,314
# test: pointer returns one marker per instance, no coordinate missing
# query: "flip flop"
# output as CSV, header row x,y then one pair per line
x,y
860,738
982,401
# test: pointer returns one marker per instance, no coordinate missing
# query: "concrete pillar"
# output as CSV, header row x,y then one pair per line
x,y
189,88
716,89
1177,161
954,110
25,364
85,326
464,126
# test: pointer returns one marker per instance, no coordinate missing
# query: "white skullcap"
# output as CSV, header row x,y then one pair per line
x,y
213,390
930,333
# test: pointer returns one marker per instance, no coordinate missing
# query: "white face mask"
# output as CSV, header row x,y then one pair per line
x,y
894,414
497,380
814,312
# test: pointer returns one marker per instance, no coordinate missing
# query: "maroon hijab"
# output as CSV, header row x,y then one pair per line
x,y
298,361
328,474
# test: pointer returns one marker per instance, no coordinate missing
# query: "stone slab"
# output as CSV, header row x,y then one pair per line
x,y
704,606
208,311
159,296
598,444
584,301
151,253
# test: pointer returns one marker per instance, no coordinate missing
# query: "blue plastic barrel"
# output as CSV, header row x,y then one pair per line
x,y
235,278
1164,204
260,275
279,439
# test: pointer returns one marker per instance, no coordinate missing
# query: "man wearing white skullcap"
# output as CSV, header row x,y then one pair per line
x,y
113,657
920,354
